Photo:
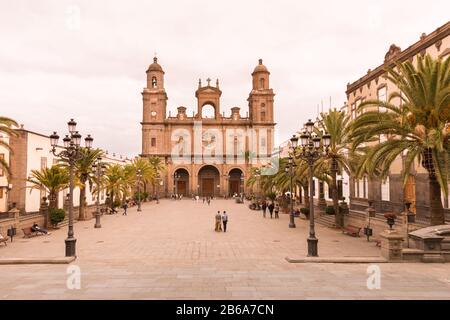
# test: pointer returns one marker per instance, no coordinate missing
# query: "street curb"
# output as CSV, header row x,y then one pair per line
x,y
11,261
337,260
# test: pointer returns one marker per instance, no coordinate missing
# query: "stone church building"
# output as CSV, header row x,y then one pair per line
x,y
207,155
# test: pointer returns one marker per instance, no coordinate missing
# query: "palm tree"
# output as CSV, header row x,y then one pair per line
x,y
146,169
6,128
417,129
52,180
114,183
337,125
157,166
85,174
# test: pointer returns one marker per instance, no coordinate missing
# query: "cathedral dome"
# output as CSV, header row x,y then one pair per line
x,y
260,67
155,66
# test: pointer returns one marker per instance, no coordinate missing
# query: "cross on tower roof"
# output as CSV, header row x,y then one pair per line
x,y
208,80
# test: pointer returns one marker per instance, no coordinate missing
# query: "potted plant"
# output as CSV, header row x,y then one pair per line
x,y
57,216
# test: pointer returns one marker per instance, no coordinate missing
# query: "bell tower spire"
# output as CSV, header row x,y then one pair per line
x,y
154,99
260,100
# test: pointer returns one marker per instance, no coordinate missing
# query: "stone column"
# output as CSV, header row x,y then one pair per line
x,y
391,245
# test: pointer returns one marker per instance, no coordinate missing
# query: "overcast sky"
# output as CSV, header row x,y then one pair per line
x,y
54,66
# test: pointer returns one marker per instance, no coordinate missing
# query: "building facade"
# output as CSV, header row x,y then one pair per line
x,y
390,195
207,155
5,186
31,151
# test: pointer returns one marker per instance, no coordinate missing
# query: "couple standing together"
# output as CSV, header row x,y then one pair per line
x,y
221,219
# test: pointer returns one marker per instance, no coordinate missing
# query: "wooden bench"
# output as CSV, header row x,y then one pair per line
x,y
352,230
28,232
4,240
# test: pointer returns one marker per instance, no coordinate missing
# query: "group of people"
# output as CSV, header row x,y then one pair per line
x,y
35,227
221,219
207,200
176,196
272,207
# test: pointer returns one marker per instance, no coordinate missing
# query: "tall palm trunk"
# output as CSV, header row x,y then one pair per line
x,y
112,199
82,203
306,189
334,195
52,204
436,208
52,201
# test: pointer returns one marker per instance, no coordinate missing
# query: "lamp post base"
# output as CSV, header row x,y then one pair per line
x,y
292,224
312,247
139,209
97,221
70,247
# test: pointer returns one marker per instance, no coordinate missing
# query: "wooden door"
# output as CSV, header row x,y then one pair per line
x,y
234,187
207,187
181,188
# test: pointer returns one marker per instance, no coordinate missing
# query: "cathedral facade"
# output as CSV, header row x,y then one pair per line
x,y
207,155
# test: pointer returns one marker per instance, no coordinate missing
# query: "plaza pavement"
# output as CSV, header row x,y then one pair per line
x,y
170,251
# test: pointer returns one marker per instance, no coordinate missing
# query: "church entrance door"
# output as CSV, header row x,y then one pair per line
x,y
209,179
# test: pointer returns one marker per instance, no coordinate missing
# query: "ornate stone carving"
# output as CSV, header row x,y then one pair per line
x,y
392,53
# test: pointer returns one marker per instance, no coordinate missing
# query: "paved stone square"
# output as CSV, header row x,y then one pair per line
x,y
170,251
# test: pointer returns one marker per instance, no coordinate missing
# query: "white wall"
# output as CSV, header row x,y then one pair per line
x,y
39,147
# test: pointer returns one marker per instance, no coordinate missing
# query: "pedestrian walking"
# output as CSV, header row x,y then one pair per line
x,y
277,209
224,221
218,222
125,207
209,200
264,208
271,207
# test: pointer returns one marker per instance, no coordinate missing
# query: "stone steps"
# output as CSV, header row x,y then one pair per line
x,y
327,220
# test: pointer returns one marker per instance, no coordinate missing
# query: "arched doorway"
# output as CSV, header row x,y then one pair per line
x,y
209,181
235,182
181,182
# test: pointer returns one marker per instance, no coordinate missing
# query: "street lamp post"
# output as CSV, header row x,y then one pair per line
x,y
139,177
71,153
99,169
290,171
312,148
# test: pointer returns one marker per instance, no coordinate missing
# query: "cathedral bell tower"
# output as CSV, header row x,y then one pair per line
x,y
260,100
154,110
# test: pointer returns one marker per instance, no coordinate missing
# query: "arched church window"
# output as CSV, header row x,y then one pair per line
x,y
208,111
154,82
262,83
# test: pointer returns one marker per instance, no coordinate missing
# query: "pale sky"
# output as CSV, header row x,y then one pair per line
x,y
54,66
